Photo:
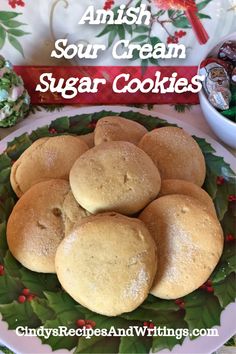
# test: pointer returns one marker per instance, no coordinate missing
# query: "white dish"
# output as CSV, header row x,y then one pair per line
x,y
224,128
203,345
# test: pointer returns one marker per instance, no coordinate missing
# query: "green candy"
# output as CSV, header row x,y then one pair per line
x,y
14,98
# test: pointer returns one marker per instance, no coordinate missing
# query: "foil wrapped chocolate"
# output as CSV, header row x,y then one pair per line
x,y
228,51
14,98
217,74
220,98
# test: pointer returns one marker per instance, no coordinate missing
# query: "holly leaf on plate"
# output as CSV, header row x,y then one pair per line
x,y
16,314
10,288
17,146
38,283
3,241
39,133
5,161
64,307
61,124
203,310
172,321
42,310
226,290
62,311
134,344
12,266
98,345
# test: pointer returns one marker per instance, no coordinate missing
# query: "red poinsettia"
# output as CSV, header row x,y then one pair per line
x,y
15,3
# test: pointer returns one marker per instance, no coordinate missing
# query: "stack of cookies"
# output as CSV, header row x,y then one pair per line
x,y
116,214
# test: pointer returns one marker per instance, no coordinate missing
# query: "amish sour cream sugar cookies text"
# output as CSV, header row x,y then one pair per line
x,y
122,49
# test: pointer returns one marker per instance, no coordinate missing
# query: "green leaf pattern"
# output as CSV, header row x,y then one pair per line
x,y
10,29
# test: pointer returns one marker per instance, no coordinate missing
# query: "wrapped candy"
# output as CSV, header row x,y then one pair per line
x,y
14,99
228,51
220,97
216,73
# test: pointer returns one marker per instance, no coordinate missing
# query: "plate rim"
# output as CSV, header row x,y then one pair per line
x,y
22,344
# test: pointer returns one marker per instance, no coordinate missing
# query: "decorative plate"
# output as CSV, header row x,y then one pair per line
x,y
211,305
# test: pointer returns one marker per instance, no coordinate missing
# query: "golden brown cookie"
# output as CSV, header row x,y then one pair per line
x,y
38,223
115,176
45,159
178,186
107,263
189,244
176,154
118,129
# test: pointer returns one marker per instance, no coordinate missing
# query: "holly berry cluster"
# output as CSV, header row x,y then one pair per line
x,y
108,4
14,3
26,295
232,198
207,287
88,324
176,37
180,303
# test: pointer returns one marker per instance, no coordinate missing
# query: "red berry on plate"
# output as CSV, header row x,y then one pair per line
x,y
151,325
30,297
92,323
203,287
229,238
209,283
232,198
178,301
21,299
88,326
25,292
220,180
145,324
210,289
1,270
80,323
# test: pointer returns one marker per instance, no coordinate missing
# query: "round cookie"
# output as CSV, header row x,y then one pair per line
x,y
189,244
107,263
178,186
114,176
88,139
118,129
38,223
176,154
46,158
